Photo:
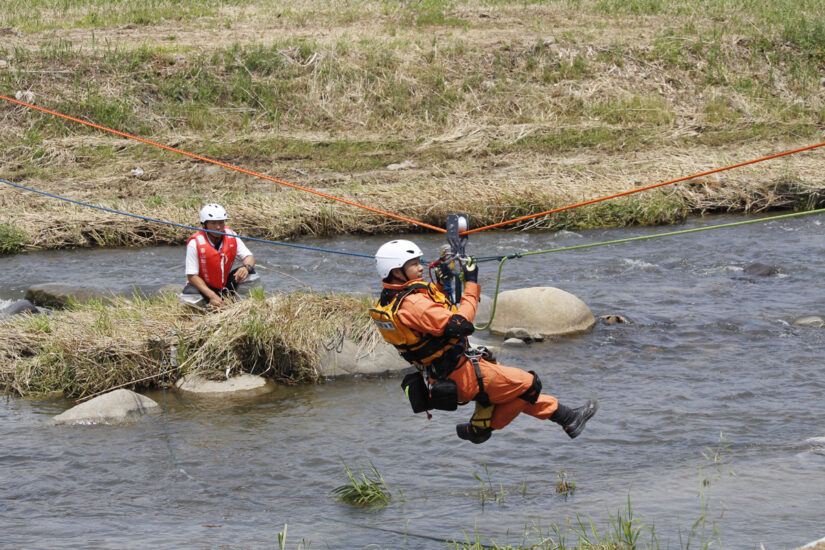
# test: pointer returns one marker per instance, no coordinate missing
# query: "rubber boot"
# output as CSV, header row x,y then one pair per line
x,y
573,420
468,432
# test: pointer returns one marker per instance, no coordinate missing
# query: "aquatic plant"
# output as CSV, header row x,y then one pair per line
x,y
366,491
565,486
486,491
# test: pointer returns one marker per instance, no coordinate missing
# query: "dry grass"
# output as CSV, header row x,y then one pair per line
x,y
127,342
504,108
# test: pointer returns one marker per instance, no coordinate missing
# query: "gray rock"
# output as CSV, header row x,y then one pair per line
x,y
541,311
58,295
761,270
815,545
246,385
348,358
18,307
810,321
514,343
110,408
485,308
614,319
523,334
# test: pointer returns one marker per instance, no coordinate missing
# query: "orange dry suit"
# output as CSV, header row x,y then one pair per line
x,y
214,264
428,331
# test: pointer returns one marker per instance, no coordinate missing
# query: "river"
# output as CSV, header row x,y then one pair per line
x,y
710,364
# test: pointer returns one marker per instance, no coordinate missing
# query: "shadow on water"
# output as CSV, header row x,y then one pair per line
x,y
710,350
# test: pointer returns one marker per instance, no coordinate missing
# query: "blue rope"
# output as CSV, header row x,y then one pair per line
x,y
304,247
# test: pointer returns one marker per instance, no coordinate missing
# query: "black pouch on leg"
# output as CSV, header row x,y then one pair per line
x,y
444,395
416,390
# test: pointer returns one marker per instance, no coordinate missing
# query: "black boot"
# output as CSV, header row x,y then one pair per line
x,y
573,420
468,432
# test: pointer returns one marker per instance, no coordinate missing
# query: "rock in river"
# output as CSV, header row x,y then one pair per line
x,y
110,408
544,311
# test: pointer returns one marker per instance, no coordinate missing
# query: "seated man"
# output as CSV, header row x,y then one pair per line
x,y
209,258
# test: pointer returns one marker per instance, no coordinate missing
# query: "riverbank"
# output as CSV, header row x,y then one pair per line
x,y
422,109
141,344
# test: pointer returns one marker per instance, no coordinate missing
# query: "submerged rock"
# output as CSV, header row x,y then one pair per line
x,y
247,385
762,270
810,321
544,311
614,319
110,408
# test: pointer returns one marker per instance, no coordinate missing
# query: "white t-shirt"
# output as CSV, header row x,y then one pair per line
x,y
192,253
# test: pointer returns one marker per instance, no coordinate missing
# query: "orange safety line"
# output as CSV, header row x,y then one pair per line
x,y
225,165
784,153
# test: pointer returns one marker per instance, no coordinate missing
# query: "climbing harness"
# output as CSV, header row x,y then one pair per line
x,y
435,353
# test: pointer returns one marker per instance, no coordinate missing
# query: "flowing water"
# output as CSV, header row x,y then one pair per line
x,y
711,364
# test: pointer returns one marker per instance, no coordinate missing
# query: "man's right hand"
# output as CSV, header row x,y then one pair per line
x,y
215,301
470,268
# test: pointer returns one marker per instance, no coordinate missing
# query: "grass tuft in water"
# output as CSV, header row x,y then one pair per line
x,y
565,486
366,491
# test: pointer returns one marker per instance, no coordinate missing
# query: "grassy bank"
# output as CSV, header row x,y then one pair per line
x,y
130,343
503,108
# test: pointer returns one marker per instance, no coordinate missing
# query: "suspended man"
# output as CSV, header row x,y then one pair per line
x,y
431,333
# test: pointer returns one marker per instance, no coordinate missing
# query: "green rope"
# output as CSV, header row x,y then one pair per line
x,y
630,239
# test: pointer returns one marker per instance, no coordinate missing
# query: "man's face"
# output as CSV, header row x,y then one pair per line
x,y
413,269
213,225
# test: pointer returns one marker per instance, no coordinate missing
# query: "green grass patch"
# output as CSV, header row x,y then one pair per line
x,y
637,110
368,491
12,240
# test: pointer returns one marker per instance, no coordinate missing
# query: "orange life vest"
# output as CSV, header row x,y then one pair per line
x,y
214,264
420,349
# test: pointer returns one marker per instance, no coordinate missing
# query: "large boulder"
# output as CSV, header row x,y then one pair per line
x,y
542,311
243,385
110,408
485,309
349,358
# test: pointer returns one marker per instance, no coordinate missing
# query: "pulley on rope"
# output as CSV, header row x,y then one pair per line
x,y
448,266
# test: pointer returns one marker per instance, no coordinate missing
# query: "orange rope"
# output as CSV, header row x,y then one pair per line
x,y
784,153
225,165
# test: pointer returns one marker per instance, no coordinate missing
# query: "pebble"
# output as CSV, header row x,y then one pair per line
x,y
514,343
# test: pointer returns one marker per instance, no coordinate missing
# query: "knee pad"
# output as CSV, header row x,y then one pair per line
x,y
532,393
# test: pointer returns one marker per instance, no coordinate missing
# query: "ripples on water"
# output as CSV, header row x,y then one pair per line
x,y
711,350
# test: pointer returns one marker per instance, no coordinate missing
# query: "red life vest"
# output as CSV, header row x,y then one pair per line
x,y
214,264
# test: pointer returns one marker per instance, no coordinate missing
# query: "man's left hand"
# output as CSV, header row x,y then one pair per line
x,y
241,274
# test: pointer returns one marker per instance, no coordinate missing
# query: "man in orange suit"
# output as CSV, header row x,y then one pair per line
x,y
431,333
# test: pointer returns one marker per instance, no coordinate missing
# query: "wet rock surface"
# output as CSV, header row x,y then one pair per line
x,y
110,408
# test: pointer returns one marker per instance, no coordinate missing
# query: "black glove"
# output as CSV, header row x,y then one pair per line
x,y
470,269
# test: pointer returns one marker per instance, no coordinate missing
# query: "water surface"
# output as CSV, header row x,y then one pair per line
x,y
711,350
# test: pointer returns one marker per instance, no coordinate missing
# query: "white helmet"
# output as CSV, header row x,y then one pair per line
x,y
213,213
395,254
